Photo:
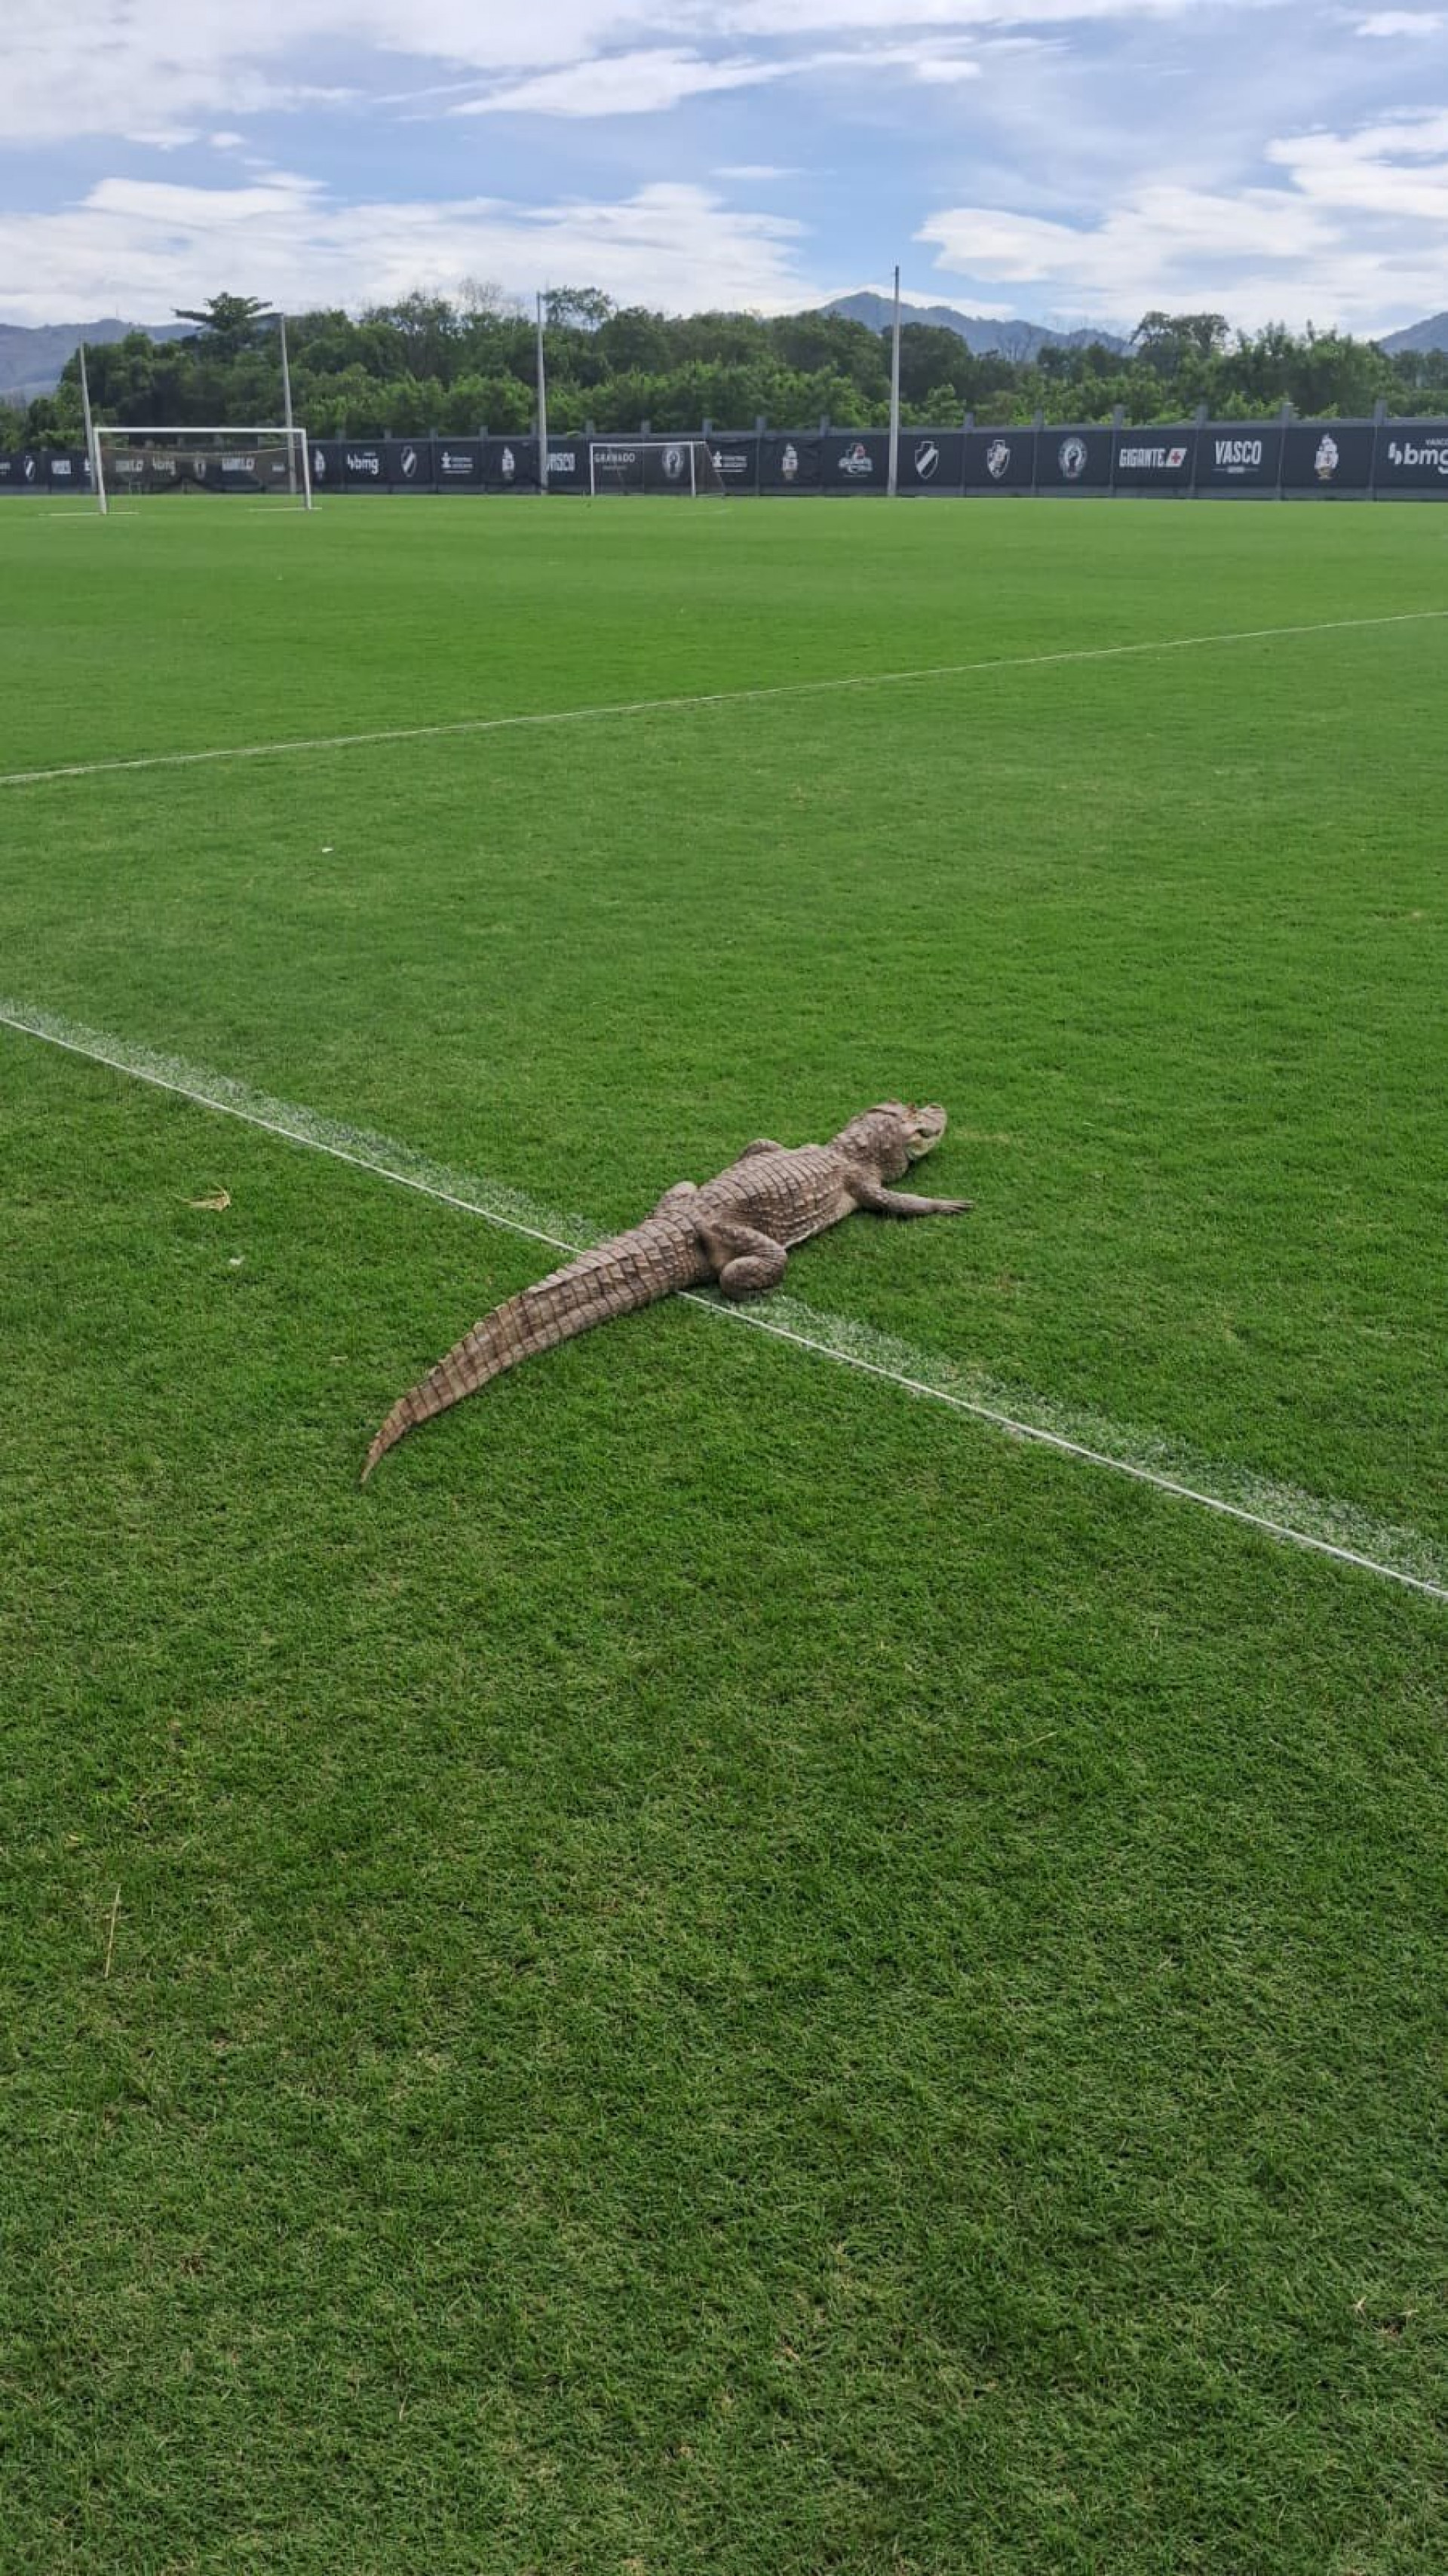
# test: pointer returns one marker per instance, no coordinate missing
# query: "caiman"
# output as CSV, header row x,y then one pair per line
x,y
735,1232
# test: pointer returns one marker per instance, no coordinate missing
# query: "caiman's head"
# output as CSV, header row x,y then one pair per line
x,y
894,1135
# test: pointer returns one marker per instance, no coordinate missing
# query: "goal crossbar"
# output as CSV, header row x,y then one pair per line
x,y
159,437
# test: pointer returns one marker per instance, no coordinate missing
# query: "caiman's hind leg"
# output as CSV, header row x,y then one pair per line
x,y
744,1259
882,1202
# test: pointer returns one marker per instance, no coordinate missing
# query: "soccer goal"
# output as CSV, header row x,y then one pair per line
x,y
681,465
265,462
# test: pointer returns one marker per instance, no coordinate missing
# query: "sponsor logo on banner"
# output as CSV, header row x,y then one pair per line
x,y
927,460
997,459
731,460
238,465
1071,458
1325,463
1237,455
857,461
614,460
449,463
319,466
60,469
507,465
365,461
409,463
1434,452
789,463
673,464
1151,460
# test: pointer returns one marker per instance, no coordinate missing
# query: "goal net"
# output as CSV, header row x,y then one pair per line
x,y
265,462
680,465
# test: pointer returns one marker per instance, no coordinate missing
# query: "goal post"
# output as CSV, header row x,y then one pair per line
x,y
685,467
265,460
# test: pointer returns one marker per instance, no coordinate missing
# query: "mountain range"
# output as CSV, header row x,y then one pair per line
x,y
31,358
984,338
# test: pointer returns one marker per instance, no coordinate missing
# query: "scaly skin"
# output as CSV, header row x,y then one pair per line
x,y
737,1230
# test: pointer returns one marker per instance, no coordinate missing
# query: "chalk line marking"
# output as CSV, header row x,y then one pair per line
x,y
711,698
1261,1505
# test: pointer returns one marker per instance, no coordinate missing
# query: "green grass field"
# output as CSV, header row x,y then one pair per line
x,y
729,1972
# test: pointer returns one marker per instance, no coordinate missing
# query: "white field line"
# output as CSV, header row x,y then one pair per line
x,y
711,698
1333,1529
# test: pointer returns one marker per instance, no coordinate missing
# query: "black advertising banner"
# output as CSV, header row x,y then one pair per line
x,y
1074,460
1412,458
1000,460
789,464
326,462
733,461
69,473
618,465
1327,457
508,464
856,460
22,470
1239,456
930,460
1154,459
457,464
363,465
407,464
567,463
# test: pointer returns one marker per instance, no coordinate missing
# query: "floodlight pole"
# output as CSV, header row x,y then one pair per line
x,y
287,412
542,409
893,477
92,453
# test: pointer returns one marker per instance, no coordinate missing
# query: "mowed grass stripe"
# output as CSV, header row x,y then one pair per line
x,y
625,707
1335,1529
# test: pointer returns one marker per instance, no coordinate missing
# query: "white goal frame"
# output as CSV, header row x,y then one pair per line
x,y
293,439
683,447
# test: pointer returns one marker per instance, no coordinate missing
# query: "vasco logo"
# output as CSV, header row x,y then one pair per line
x,y
857,460
28,469
1325,463
409,463
507,465
319,466
1071,457
997,459
927,460
789,463
561,460
1237,455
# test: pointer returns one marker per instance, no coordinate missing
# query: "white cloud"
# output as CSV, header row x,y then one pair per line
x,y
1357,232
1401,22
638,84
140,248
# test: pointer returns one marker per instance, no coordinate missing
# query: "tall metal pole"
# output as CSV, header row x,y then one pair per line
x,y
287,411
894,474
97,478
542,408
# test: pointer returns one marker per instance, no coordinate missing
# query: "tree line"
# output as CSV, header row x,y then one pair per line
x,y
429,363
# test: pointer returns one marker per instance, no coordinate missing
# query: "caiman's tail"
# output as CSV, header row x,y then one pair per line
x,y
614,1278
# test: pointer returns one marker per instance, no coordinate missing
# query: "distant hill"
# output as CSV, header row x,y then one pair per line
x,y
1432,334
981,337
31,358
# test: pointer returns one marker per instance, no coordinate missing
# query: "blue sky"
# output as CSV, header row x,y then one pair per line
x,y
1066,162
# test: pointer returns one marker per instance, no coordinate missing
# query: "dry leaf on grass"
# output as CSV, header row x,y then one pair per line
x,y
221,1199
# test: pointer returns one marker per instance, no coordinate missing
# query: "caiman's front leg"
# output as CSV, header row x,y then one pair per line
x,y
744,1259
883,1202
